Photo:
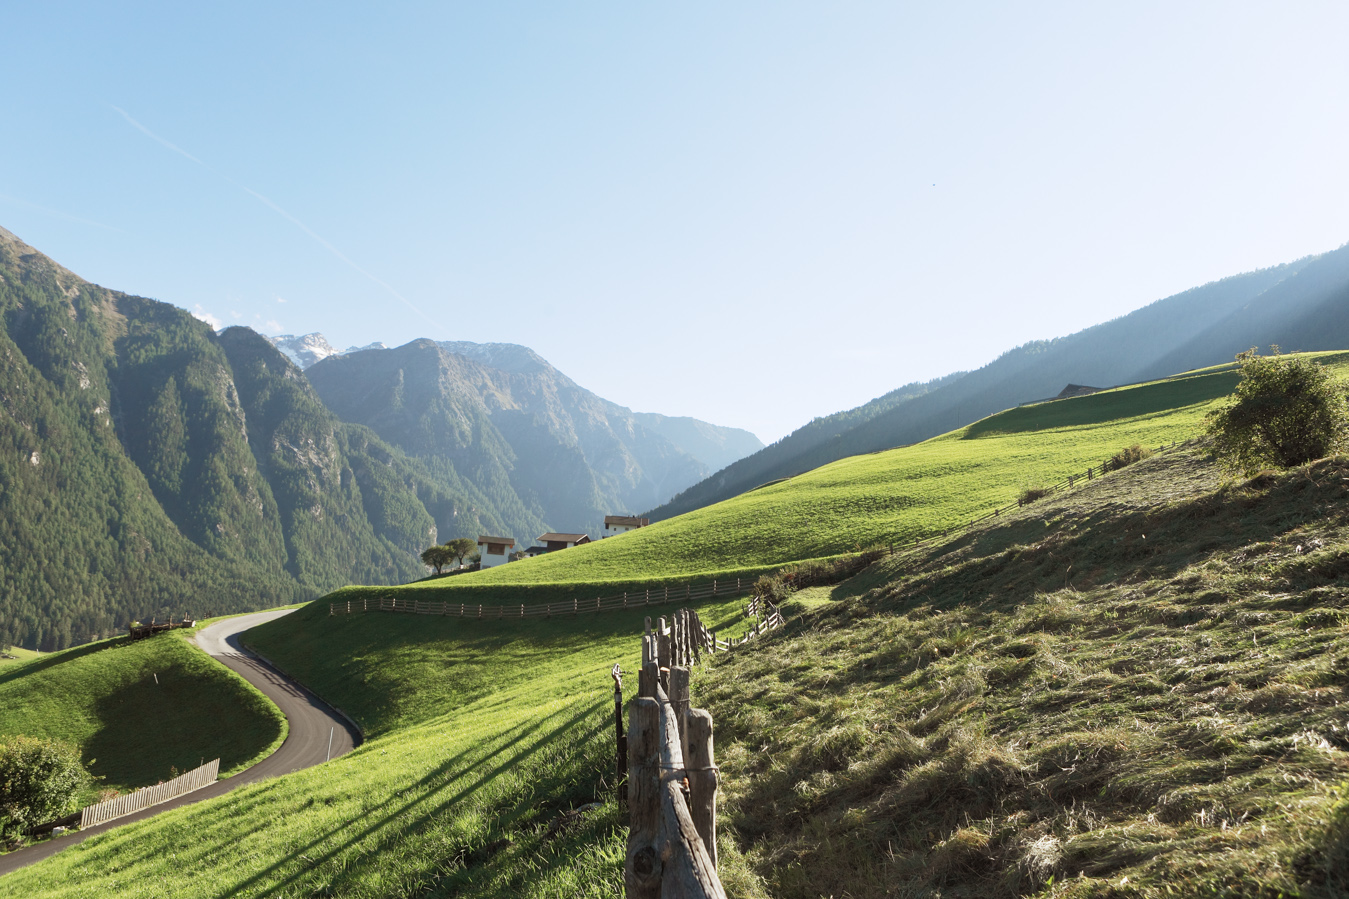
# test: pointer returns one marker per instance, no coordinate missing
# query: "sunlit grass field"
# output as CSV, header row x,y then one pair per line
x,y
133,731
877,499
482,737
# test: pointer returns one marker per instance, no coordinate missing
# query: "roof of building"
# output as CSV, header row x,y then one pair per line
x,y
506,540
564,538
631,521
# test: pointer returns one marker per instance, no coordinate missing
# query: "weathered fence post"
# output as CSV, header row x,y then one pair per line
x,y
679,697
643,868
663,644
702,775
621,739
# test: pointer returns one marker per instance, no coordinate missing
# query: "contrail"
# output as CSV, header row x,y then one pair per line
x,y
150,134
281,212
61,215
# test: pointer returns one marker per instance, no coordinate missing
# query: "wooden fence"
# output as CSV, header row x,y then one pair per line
x,y
131,803
671,771
140,631
632,599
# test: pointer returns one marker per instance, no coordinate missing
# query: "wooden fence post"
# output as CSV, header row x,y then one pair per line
x,y
621,739
702,775
679,697
647,679
642,869
663,645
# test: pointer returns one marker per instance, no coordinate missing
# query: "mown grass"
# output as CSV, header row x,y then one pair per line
x,y
132,731
485,739
876,499
17,654
1136,689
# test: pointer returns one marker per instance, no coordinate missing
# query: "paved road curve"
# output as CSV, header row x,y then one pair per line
x,y
312,724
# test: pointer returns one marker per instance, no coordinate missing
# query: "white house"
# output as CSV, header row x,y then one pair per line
x,y
494,551
621,524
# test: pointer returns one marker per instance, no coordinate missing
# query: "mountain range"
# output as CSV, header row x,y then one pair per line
x,y
156,468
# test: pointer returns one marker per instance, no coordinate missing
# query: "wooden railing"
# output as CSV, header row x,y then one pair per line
x,y
672,775
631,599
131,803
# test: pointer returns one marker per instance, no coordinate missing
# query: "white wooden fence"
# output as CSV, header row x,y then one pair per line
x,y
145,797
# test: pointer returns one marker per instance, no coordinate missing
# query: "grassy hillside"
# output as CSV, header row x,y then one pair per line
x,y
1132,690
484,736
892,496
103,697
1170,335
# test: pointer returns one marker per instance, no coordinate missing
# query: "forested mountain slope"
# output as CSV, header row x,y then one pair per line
x,y
156,468
544,451
1200,327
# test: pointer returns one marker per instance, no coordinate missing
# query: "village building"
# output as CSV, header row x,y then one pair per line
x,y
494,551
621,524
552,542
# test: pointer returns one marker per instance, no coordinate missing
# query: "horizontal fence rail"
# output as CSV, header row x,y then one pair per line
x,y
631,599
118,806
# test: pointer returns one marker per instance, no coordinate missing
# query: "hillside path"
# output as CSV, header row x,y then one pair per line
x,y
311,723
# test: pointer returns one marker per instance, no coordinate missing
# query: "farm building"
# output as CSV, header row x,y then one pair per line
x,y
552,542
621,524
494,550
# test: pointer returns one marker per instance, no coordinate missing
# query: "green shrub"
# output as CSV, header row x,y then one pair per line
x,y
1286,411
774,587
1127,456
1031,494
39,780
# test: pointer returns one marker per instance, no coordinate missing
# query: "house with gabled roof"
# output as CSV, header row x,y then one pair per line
x,y
621,524
494,551
552,542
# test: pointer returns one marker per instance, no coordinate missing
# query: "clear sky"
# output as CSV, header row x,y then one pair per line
x,y
750,212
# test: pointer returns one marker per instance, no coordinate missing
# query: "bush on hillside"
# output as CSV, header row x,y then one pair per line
x,y
1127,456
774,587
819,572
1286,411
1031,494
39,780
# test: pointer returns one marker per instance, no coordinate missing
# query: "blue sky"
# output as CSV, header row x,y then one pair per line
x,y
753,213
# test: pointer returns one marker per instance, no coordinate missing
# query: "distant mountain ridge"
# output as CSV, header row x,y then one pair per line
x,y
543,447
1301,305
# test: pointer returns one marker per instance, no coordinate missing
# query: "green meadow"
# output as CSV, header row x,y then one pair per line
x,y
139,711
882,498
1126,690
484,738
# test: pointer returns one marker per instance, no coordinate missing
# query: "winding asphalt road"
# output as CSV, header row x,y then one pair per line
x,y
312,724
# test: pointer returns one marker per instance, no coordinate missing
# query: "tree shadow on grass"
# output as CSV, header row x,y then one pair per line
x,y
426,804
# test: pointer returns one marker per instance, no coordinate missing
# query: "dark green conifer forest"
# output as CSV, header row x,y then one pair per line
x,y
152,467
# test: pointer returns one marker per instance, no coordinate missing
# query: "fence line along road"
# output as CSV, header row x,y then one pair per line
x,y
118,806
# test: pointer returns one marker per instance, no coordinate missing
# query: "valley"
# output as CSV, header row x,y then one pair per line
x,y
1129,686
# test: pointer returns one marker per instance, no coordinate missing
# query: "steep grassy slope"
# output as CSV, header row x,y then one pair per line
x,y
485,737
132,730
884,497
1136,689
